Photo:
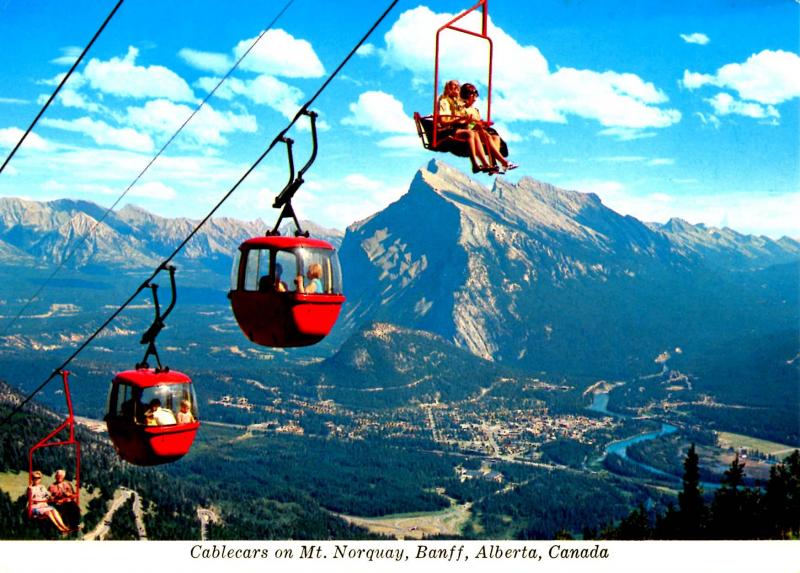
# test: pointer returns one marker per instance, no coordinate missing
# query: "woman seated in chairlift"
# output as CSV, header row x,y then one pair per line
x,y
454,123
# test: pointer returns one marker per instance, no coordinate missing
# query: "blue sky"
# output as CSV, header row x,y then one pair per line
x,y
664,109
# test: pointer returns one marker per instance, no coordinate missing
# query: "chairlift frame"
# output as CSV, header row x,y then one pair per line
x,y
48,441
484,6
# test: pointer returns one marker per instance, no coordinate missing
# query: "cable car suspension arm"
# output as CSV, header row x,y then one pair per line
x,y
149,337
284,198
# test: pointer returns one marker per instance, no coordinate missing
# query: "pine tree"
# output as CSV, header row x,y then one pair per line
x,y
693,512
782,500
636,526
735,509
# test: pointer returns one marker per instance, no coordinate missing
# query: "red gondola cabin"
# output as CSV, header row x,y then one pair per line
x,y
140,438
271,304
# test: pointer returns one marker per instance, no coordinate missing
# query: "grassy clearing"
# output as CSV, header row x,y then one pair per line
x,y
448,521
731,440
15,484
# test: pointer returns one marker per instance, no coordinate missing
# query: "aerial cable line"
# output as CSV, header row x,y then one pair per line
x,y
81,240
165,263
63,81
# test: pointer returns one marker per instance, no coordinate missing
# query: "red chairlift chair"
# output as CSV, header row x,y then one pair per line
x,y
55,439
431,137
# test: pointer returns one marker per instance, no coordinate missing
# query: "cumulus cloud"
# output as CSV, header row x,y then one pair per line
x,y
206,61
163,117
725,104
770,77
71,98
366,50
695,38
263,89
377,111
278,53
524,87
10,136
124,78
104,134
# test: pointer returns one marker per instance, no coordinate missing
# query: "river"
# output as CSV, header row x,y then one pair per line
x,y
600,405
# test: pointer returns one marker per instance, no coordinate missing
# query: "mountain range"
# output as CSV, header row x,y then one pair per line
x,y
526,275
552,279
46,234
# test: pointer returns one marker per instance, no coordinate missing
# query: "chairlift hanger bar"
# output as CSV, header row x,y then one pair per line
x,y
484,6
197,228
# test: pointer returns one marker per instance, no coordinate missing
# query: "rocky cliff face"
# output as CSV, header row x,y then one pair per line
x,y
534,274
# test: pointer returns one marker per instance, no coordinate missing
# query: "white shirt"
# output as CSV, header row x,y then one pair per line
x,y
164,417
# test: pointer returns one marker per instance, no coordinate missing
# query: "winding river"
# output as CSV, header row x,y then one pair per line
x,y
600,404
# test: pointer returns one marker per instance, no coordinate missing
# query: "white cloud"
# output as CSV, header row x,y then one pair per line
x,y
401,142
357,196
103,133
69,54
206,61
626,133
709,119
361,182
769,77
774,215
10,136
123,78
366,50
637,159
379,112
12,100
542,137
280,54
524,88
71,98
695,38
264,89
163,117
725,104
154,190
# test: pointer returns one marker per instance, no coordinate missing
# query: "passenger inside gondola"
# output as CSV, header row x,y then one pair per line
x,y
158,416
314,284
185,416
